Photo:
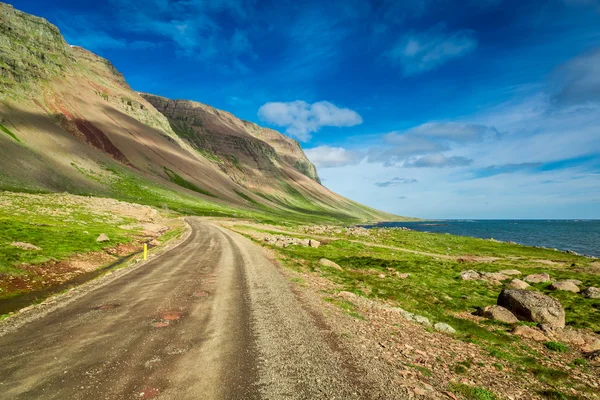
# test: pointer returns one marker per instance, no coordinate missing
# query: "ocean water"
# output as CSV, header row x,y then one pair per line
x,y
582,236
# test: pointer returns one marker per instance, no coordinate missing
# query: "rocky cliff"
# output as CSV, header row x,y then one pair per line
x,y
70,122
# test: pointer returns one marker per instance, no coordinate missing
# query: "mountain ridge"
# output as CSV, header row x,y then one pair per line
x,y
74,124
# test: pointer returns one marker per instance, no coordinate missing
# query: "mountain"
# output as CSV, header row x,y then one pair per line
x,y
70,122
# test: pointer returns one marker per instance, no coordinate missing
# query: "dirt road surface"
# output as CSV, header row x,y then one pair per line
x,y
210,319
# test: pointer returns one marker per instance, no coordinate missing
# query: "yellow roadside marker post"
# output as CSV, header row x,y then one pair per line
x,y
145,251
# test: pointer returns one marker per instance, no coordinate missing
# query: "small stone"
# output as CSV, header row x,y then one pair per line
x,y
442,327
510,272
154,242
328,263
25,246
529,333
565,286
574,281
517,284
346,295
592,293
314,243
381,276
419,319
470,275
102,238
403,276
537,278
499,313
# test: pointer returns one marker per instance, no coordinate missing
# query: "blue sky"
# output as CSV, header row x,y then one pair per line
x,y
429,108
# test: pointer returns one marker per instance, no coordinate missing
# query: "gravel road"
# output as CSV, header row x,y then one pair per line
x,y
212,318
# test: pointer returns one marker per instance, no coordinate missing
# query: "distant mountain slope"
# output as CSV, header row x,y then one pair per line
x,y
70,122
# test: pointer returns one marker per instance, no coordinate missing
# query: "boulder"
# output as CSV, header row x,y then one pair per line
x,y
494,276
102,238
517,284
529,333
470,275
565,286
510,272
328,263
314,243
537,278
533,306
575,281
442,327
499,313
419,319
592,293
25,246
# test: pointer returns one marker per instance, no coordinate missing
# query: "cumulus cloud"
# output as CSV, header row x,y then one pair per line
x,y
454,131
577,82
301,118
418,52
396,182
438,161
329,157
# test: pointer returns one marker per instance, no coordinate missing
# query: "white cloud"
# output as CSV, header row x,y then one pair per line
x,y
423,51
329,157
438,161
454,131
301,118
577,82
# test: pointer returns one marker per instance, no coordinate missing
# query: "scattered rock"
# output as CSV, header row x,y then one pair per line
x,y
499,313
494,276
102,238
517,284
537,278
328,263
575,281
593,357
381,276
529,333
25,246
403,275
470,275
592,293
347,295
510,272
419,319
565,286
314,243
442,327
533,306
154,242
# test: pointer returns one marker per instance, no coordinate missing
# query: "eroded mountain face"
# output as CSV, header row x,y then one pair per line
x,y
70,122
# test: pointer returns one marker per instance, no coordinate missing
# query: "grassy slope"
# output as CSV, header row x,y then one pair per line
x,y
434,291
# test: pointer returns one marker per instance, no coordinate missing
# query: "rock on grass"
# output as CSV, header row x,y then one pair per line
x,y
102,238
517,284
592,293
499,313
537,278
565,286
533,306
25,246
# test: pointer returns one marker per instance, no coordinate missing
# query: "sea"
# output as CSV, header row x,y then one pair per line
x,y
581,236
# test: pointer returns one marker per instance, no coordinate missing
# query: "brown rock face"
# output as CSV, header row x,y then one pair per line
x,y
533,306
232,139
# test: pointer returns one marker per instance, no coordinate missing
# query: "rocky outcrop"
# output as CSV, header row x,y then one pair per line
x,y
232,142
533,306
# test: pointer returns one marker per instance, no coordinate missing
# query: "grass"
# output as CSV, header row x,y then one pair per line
x,y
472,393
178,180
434,290
555,346
9,133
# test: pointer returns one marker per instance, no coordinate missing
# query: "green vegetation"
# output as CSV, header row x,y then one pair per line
x,y
9,133
472,393
555,346
433,289
178,180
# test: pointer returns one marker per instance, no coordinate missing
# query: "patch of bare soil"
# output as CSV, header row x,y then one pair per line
x,y
422,362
